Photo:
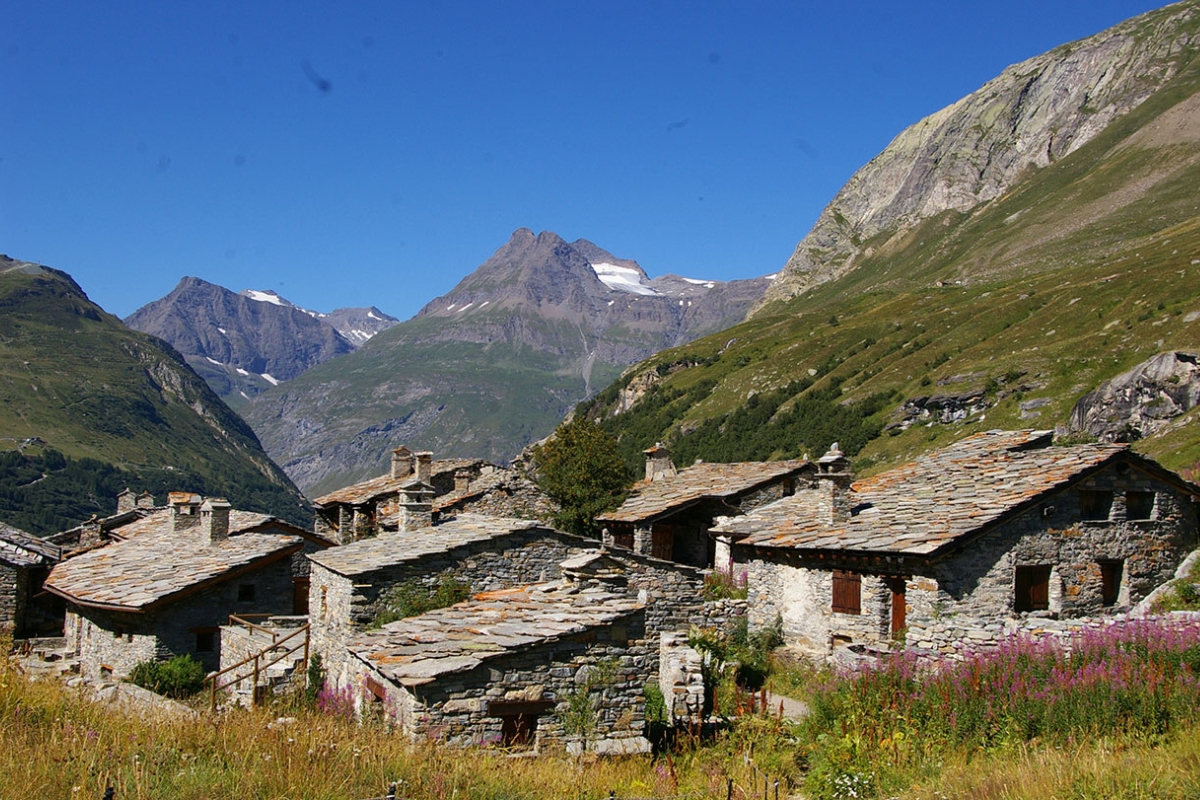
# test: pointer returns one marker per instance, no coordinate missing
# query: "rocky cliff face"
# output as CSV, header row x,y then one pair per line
x,y
491,366
1034,114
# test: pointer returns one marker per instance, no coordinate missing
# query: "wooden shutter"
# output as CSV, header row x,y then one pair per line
x,y
847,592
1032,589
899,588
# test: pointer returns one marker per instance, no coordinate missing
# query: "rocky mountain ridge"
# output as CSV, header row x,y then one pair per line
x,y
243,343
1034,246
492,365
974,151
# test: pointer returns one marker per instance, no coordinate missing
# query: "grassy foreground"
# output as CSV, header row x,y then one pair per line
x,y
1115,716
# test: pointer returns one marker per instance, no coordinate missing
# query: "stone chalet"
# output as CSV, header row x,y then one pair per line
x,y
670,513
168,580
25,561
997,534
368,508
497,668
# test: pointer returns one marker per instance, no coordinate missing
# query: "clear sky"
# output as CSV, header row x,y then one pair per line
x,y
375,153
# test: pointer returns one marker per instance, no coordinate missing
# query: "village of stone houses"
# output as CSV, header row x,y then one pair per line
x,y
998,536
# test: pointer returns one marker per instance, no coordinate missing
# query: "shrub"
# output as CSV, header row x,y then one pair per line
x,y
180,677
722,584
412,598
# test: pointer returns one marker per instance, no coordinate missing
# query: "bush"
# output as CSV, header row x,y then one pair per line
x,y
412,598
180,677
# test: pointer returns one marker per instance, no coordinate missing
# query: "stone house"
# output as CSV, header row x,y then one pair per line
x,y
999,533
371,507
669,514
130,508
508,667
25,561
168,580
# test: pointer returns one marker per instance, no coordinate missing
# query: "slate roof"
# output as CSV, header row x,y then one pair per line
x,y
420,650
153,564
386,484
653,499
395,547
22,549
920,507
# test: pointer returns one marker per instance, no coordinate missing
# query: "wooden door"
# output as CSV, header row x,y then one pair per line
x,y
898,587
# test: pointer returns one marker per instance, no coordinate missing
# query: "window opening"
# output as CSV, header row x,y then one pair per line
x,y
1094,505
1139,505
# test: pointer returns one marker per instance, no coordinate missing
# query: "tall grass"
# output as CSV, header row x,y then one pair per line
x,y
1139,681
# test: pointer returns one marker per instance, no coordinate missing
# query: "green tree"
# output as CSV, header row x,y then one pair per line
x,y
581,469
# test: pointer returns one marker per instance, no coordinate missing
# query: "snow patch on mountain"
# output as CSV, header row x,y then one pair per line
x,y
622,279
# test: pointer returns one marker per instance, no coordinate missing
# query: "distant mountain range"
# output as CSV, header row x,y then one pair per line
x,y
491,366
243,343
89,407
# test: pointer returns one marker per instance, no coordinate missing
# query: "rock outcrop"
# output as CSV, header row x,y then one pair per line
x,y
1142,401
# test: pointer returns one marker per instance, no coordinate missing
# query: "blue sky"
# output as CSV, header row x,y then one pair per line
x,y
375,153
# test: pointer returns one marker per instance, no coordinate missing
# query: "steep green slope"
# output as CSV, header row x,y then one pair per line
x,y
1000,316
88,407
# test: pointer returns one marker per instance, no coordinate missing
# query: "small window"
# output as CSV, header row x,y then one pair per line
x,y
246,593
1032,589
847,592
1111,573
205,640
1095,505
1139,505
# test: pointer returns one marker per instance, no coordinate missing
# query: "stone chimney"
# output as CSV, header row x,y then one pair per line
x,y
416,506
462,481
126,501
833,485
402,462
91,532
658,463
425,467
145,500
185,510
214,519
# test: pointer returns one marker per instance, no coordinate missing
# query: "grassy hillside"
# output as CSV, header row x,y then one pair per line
x,y
87,405
1084,269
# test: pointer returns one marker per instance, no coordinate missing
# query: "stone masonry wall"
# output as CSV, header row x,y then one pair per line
x,y
11,596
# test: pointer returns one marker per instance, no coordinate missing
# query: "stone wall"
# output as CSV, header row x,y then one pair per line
x,y
968,595
458,709
12,596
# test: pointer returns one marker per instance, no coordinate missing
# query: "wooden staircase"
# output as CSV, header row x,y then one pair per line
x,y
280,654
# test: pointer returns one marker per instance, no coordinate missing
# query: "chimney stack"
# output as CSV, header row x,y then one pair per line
x,y
185,508
126,501
658,463
462,481
833,484
402,463
425,467
214,519
145,500
416,506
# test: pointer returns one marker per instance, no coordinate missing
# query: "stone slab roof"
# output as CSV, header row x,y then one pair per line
x,y
919,507
653,499
422,649
386,484
23,549
153,566
395,547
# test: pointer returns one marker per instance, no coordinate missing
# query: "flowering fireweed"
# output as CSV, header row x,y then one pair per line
x,y
1134,679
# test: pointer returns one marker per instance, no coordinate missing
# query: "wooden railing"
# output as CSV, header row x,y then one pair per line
x,y
258,659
